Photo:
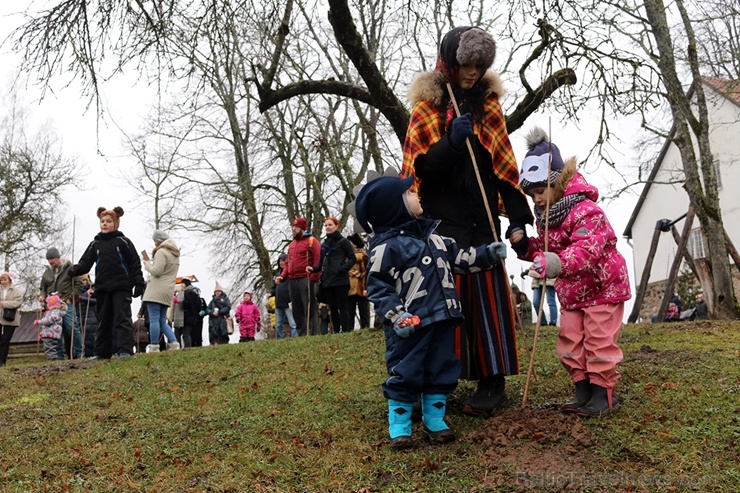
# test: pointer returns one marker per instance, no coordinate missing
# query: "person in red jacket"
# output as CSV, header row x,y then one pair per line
x,y
248,317
303,251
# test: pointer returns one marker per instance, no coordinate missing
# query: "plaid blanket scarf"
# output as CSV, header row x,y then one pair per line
x,y
428,125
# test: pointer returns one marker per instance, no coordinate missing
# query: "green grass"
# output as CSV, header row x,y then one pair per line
x,y
307,415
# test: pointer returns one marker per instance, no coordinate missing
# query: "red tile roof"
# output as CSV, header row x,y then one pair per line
x,y
728,88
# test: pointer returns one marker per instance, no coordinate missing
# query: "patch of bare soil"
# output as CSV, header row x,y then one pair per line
x,y
543,448
39,371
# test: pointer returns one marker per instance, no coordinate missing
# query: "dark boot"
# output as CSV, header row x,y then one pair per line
x,y
491,395
416,412
603,402
433,408
583,395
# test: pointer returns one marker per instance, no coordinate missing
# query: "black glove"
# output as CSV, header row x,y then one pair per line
x,y
521,246
139,290
460,129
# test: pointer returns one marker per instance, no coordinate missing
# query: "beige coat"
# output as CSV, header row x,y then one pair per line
x,y
163,269
13,299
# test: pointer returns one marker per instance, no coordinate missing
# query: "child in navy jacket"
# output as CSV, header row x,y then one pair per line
x,y
411,285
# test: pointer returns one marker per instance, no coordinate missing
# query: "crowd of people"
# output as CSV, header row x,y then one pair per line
x,y
85,319
320,287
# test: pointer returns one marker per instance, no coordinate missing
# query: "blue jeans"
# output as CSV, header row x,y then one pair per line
x,y
282,314
551,303
76,336
158,322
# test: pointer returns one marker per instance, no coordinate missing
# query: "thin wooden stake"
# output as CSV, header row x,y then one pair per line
x,y
543,280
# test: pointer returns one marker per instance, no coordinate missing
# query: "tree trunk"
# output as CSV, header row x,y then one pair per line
x,y
703,198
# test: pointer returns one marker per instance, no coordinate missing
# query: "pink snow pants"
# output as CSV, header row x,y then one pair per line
x,y
587,343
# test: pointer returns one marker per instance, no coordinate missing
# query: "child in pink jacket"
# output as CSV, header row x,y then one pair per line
x,y
248,317
591,277
51,325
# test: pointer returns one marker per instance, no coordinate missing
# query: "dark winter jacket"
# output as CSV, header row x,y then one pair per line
x,y
217,323
409,271
88,320
445,177
451,194
281,292
117,264
191,306
337,258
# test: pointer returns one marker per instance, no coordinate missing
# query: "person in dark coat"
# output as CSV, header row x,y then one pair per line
x,y
117,275
196,335
192,321
283,311
701,311
88,316
337,258
436,154
218,309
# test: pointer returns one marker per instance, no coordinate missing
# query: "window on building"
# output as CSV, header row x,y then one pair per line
x,y
696,245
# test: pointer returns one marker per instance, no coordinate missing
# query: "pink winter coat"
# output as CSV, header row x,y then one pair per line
x,y
248,317
593,271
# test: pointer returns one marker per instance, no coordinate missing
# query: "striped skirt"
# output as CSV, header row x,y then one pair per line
x,y
486,342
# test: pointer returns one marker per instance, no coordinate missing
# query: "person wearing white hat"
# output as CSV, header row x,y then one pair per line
x,y
162,269
218,311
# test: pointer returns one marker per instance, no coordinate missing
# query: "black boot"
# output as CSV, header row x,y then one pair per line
x,y
583,395
603,402
416,413
490,395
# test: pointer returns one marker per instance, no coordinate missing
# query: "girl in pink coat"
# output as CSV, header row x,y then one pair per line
x,y
248,317
591,278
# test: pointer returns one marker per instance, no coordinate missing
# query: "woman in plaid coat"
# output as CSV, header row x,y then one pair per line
x,y
436,155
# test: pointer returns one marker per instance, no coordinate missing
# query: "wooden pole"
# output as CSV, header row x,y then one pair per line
x,y
543,282
642,288
732,250
673,273
686,255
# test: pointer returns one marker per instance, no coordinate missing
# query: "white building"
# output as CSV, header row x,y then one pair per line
x,y
664,197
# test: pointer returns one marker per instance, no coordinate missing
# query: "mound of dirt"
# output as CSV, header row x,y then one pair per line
x,y
536,445
38,371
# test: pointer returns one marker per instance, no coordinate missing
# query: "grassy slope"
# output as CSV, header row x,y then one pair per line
x,y
307,415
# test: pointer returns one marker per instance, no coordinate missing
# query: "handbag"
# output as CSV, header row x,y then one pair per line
x,y
9,314
229,325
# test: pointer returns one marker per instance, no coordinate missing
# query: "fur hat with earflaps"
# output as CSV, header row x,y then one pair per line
x,y
114,213
543,164
462,46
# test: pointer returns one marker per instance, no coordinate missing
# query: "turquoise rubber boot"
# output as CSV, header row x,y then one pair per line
x,y
399,424
433,407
